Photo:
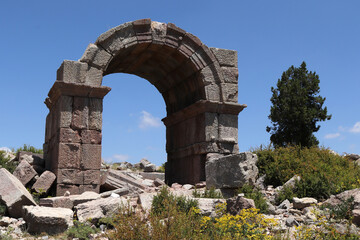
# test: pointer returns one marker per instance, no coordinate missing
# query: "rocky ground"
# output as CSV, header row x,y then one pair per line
x,y
123,183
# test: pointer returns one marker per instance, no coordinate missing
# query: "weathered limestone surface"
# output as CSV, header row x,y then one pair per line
x,y
13,194
46,219
231,171
236,204
44,182
99,208
199,86
24,172
301,203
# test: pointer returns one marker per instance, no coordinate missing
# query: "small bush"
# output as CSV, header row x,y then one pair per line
x,y
342,210
248,224
2,209
5,163
80,230
322,173
29,148
170,223
165,198
255,194
161,168
208,193
285,193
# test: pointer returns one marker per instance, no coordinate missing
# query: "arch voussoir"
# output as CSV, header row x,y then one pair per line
x,y
96,56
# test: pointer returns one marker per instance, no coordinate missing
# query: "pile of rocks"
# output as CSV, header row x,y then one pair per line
x,y
137,189
31,172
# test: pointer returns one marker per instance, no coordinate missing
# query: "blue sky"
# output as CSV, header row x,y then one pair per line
x,y
270,36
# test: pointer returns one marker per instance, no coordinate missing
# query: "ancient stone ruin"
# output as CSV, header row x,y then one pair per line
x,y
199,85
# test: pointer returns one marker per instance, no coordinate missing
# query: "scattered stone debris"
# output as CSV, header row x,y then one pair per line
x,y
13,194
136,189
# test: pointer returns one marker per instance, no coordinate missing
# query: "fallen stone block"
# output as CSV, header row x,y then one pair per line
x,y
236,204
24,172
153,175
188,186
57,202
125,178
50,220
119,191
31,158
144,162
13,194
145,200
148,182
44,182
69,201
158,182
99,208
112,183
84,197
300,203
150,168
231,171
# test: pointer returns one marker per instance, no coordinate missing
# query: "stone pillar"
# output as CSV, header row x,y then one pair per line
x,y
195,132
73,136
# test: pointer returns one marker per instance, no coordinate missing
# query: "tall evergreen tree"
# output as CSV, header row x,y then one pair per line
x,y
296,108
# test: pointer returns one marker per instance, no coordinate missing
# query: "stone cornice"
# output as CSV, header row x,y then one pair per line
x,y
203,106
72,89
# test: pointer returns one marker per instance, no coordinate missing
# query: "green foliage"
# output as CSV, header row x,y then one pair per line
x,y
208,193
255,194
29,148
322,173
169,223
342,210
5,163
165,197
5,237
161,168
296,108
285,193
80,230
2,209
248,224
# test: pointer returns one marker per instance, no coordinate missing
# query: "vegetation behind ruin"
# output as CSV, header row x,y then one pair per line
x,y
322,171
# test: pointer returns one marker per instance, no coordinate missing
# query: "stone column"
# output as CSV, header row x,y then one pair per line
x,y
196,132
73,136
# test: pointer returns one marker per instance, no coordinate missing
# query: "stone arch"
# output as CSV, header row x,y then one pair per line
x,y
198,84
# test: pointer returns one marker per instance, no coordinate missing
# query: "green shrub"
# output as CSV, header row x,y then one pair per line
x,y
29,148
2,209
322,173
80,230
208,193
256,195
285,193
5,237
161,168
164,198
342,210
5,163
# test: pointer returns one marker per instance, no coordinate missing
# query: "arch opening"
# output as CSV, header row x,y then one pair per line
x,y
132,127
197,83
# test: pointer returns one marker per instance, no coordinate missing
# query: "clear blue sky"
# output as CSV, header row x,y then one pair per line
x,y
270,36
